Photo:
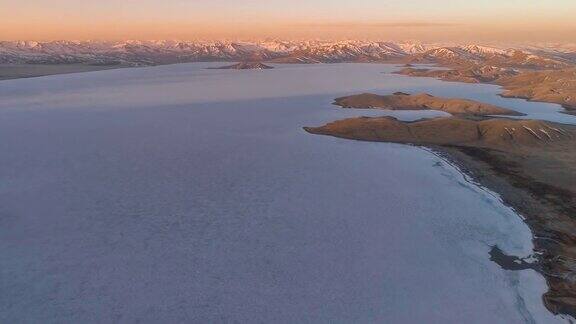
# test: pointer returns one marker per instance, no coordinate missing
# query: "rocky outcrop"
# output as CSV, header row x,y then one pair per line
x,y
246,66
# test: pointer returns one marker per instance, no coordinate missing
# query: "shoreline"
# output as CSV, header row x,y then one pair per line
x,y
548,245
26,71
546,209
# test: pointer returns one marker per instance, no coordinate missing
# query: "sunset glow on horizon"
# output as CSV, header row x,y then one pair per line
x,y
443,20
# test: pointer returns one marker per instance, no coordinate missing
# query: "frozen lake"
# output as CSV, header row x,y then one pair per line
x,y
179,194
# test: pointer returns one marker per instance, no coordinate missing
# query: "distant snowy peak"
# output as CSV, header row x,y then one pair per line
x,y
414,48
483,50
469,52
136,52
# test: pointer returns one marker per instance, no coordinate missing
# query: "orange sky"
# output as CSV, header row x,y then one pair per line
x,y
427,20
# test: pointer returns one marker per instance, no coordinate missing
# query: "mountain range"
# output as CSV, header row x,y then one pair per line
x,y
136,53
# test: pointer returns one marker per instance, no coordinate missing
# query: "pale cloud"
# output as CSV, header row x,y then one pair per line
x,y
375,19
378,24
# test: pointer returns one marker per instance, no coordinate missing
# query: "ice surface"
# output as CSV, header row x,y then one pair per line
x,y
179,194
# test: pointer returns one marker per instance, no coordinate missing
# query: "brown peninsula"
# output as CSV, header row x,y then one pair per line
x,y
553,86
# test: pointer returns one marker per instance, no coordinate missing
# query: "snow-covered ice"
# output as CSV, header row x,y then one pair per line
x,y
180,194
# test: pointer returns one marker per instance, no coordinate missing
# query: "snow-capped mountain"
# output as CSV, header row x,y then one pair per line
x,y
493,56
168,51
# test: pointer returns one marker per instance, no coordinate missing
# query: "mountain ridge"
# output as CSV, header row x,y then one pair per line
x,y
136,53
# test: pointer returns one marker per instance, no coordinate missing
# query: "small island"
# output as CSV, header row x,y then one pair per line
x,y
245,66
422,101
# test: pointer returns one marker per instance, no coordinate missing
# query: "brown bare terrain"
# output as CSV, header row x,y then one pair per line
x,y
557,86
404,101
529,162
493,133
553,86
471,74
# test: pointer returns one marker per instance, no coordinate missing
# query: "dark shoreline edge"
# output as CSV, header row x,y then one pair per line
x,y
486,170
515,198
544,244
555,246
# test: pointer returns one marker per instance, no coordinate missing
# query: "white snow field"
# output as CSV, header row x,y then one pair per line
x,y
177,194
